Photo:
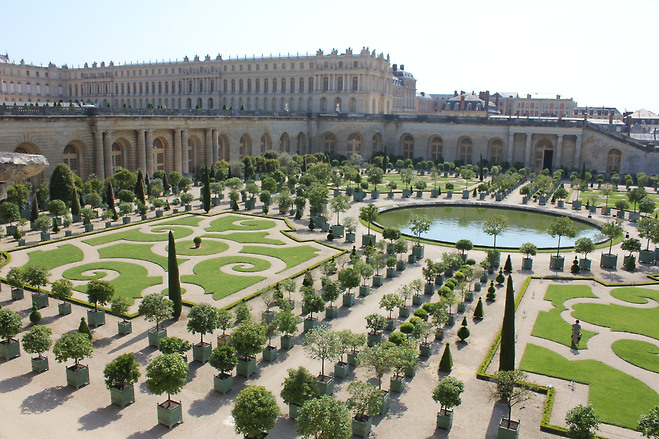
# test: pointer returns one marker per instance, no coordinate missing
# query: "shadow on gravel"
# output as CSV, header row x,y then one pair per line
x,y
499,410
193,367
211,403
129,342
155,432
106,341
13,383
99,418
46,400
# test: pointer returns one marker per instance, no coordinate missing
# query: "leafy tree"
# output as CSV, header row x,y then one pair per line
x,y
636,195
223,358
584,246
18,194
340,204
349,278
494,226
365,400
312,303
74,347
61,184
57,208
376,323
299,387
243,312
224,320
379,358
324,418
648,228
249,339
447,392
174,345
582,422
62,289
464,245
648,425
167,373
122,372
10,324
321,343
562,226
631,245
391,301
287,322
419,224
507,347
369,214
509,388
203,319
612,229
119,306
9,212
38,340
100,292
155,308
36,276
255,411
331,289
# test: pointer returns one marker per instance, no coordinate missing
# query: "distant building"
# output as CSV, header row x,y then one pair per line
x,y
539,105
609,113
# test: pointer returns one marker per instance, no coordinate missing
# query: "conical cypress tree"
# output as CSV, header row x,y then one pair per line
x,y
165,182
478,312
173,277
84,328
109,197
446,363
139,188
507,352
75,204
508,266
34,211
205,177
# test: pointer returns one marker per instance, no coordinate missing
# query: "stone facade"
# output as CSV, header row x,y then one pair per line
x,y
359,82
97,141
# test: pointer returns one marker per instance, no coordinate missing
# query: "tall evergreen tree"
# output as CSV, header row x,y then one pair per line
x,y
61,184
34,211
205,178
109,197
507,349
481,174
446,363
75,203
165,182
140,194
173,277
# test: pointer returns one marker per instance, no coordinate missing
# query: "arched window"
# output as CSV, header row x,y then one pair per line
x,y
245,146
464,150
325,83
71,158
301,85
117,157
285,143
301,143
266,143
613,161
496,151
355,83
436,145
158,155
21,150
354,144
330,143
408,146
323,105
339,83
377,142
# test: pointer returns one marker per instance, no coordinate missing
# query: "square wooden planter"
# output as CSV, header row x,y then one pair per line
x,y
155,337
246,367
508,429
77,376
373,339
585,264
287,341
556,263
326,385
11,349
364,290
95,318
124,327
341,369
64,308
361,428
397,385
222,383
40,299
17,293
331,312
404,312
527,264
170,413
270,353
445,419
309,324
428,289
424,349
377,280
293,410
122,397
609,260
352,358
348,299
202,352
417,299
39,364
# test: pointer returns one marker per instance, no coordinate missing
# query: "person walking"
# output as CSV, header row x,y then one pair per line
x,y
576,334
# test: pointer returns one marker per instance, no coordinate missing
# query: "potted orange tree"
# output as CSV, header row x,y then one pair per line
x,y
223,358
203,319
447,394
100,292
37,341
10,326
167,373
76,347
155,308
121,374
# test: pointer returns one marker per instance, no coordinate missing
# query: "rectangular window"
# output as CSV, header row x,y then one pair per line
x,y
257,86
265,86
274,86
258,67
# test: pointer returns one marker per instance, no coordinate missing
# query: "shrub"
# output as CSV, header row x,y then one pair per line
x,y
446,362
83,328
463,332
421,313
406,328
35,315
478,312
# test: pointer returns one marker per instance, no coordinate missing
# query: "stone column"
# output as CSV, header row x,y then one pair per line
x,y
559,152
149,152
99,160
178,158
216,154
184,152
209,146
577,153
511,147
141,151
107,149
527,150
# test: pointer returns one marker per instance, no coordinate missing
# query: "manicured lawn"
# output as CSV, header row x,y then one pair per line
x,y
183,221
62,255
213,280
551,326
595,194
233,222
130,283
135,251
644,321
247,237
157,234
635,294
616,397
207,247
639,353
290,255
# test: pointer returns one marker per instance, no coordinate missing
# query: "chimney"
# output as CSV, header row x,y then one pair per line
x,y
611,118
395,67
455,93
462,102
558,96
402,66
528,96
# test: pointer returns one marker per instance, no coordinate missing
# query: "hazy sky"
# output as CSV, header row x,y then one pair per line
x,y
599,52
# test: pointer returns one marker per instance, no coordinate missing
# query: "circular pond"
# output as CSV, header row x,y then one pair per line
x,y
453,222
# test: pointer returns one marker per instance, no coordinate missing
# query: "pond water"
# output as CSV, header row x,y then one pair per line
x,y
451,223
